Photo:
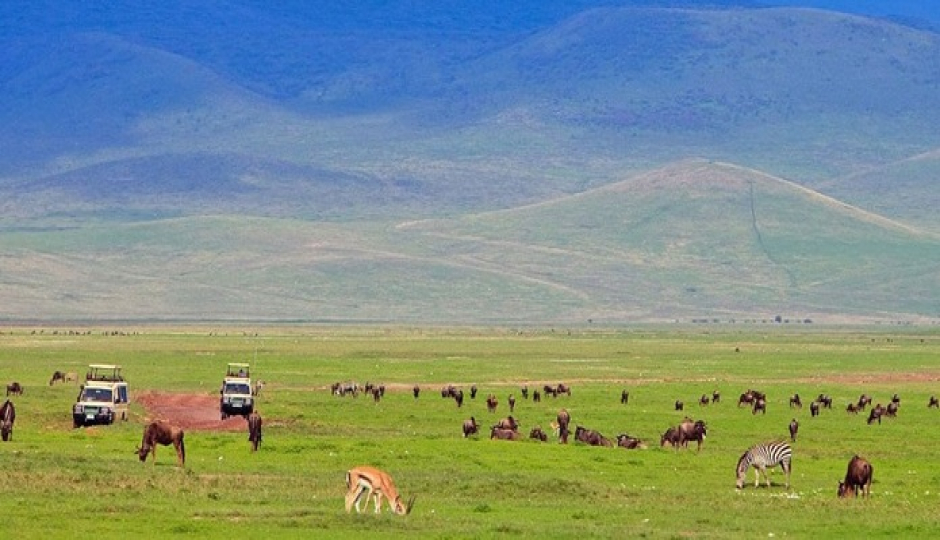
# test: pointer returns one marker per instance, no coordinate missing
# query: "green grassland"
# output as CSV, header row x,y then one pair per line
x,y
61,482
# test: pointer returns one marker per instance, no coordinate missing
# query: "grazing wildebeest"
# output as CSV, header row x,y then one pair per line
x,y
15,388
563,419
254,430
512,403
933,403
746,399
504,434
760,405
814,408
562,388
794,427
716,396
416,391
863,401
692,431
795,402
892,409
538,434
491,403
824,400
858,475
7,418
57,376
164,433
679,405
703,401
470,427
473,392
670,436
624,397
549,390
508,423
629,442
458,398
851,408
524,391
376,483
876,413
591,437
536,396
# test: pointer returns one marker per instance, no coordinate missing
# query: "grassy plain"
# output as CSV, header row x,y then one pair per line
x,y
58,482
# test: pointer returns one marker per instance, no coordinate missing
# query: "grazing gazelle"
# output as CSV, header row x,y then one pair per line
x,y
371,482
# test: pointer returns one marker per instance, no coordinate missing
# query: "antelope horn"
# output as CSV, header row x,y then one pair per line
x,y
411,504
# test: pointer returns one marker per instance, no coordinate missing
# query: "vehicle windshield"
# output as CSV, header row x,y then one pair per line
x,y
97,394
237,388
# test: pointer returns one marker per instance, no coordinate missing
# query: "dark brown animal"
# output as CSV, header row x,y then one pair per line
x,y
512,403
15,388
550,390
692,431
416,391
473,392
538,434
679,405
7,418
624,397
458,398
563,419
57,376
746,398
814,408
876,413
525,392
933,403
164,433
851,408
562,388
703,401
716,396
508,423
504,434
491,403
863,401
795,402
892,409
628,442
536,396
760,405
254,430
591,437
824,401
470,427
858,475
896,399
794,427
670,436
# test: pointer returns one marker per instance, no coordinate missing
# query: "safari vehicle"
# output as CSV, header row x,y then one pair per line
x,y
237,399
102,398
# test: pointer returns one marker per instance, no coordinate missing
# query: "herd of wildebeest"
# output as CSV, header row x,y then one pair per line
x,y
761,456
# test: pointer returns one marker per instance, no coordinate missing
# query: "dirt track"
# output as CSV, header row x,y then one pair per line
x,y
189,411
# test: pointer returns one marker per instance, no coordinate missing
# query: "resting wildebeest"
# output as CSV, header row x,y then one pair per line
x,y
15,388
254,430
794,427
858,475
470,427
591,437
933,403
504,434
491,403
7,417
629,442
624,397
538,434
164,433
512,403
563,420
814,408
760,405
795,402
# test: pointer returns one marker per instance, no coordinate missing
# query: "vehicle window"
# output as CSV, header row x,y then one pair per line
x,y
122,394
237,388
97,394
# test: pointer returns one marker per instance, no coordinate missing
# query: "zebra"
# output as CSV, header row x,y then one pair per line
x,y
760,457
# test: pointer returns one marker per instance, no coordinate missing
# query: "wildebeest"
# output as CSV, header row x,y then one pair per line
x,y
892,409
863,401
794,427
692,431
416,391
563,419
851,408
933,403
670,436
512,403
876,413
624,397
760,404
795,402
896,399
549,390
254,430
15,388
703,401
629,442
458,398
470,427
504,434
679,405
491,403
814,408
538,434
7,418
536,396
449,391
473,392
858,475
508,423
716,396
164,433
61,376
824,400
524,391
749,397
591,437
562,388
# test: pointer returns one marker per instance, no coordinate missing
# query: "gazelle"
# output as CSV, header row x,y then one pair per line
x,y
372,482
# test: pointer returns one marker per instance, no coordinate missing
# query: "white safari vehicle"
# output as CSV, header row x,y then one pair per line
x,y
102,398
237,399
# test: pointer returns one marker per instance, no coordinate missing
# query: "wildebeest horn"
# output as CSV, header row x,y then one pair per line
x,y
411,504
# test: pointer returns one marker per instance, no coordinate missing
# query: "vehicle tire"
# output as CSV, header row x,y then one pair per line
x,y
76,424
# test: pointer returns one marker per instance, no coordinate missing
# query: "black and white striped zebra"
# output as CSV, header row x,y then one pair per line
x,y
760,457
